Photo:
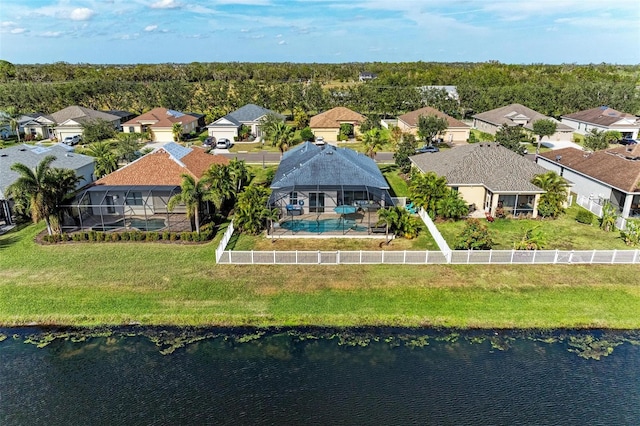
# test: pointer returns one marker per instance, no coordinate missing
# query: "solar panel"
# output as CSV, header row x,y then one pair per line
x,y
174,113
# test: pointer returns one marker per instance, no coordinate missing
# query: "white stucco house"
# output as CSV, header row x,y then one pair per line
x,y
228,127
603,118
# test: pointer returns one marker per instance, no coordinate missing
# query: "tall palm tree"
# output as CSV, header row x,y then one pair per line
x,y
426,189
192,193
389,218
176,129
239,174
46,189
221,185
452,206
106,160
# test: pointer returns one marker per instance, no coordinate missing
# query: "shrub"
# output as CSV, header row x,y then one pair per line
x,y
91,235
585,216
474,236
173,236
631,235
115,237
125,236
186,236
165,235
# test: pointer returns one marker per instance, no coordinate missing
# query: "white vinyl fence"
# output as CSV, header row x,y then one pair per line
x,y
223,243
458,257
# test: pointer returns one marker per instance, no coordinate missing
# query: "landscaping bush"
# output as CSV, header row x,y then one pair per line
x,y
152,236
631,235
165,236
186,236
585,216
125,236
115,237
474,236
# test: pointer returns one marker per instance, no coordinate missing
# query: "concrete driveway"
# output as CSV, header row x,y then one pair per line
x,y
561,144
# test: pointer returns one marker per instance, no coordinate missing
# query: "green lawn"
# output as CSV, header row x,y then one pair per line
x,y
153,283
563,233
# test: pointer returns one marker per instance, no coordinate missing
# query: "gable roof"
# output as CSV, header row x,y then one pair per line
x,y
603,116
489,164
411,118
617,167
31,156
80,114
311,165
162,117
332,118
510,113
163,166
251,112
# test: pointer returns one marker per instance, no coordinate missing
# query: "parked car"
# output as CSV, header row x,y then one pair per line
x,y
319,140
223,143
427,148
208,141
71,140
627,141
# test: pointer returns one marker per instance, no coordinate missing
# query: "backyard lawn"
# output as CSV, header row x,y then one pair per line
x,y
564,233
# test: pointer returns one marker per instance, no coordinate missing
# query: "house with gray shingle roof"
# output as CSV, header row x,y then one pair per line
x,y
611,174
603,118
228,126
31,156
487,175
518,115
66,122
316,179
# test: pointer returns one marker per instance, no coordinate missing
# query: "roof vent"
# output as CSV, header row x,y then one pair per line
x,y
558,158
23,149
4,155
68,155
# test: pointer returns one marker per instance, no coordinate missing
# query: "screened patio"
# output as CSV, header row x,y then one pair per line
x,y
117,208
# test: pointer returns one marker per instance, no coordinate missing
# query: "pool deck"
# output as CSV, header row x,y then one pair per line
x,y
365,220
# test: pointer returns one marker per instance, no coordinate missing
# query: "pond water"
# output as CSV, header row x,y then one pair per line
x,y
146,376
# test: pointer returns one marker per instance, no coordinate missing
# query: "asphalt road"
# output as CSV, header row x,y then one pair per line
x,y
274,157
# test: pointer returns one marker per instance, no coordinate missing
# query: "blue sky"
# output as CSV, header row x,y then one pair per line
x,y
155,31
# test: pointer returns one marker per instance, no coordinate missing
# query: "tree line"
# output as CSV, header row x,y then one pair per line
x,y
216,89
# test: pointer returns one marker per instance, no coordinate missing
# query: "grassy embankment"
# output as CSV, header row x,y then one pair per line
x,y
152,283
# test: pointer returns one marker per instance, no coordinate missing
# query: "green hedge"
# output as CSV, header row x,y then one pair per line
x,y
206,234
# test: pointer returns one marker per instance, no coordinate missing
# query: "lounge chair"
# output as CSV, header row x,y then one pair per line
x,y
411,208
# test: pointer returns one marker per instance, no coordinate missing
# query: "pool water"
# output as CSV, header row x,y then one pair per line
x,y
141,224
322,225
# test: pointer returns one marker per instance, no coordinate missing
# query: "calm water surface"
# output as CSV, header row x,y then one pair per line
x,y
318,377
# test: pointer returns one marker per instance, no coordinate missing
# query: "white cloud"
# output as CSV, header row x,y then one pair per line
x,y
5,24
51,34
282,42
150,27
166,4
81,14
18,30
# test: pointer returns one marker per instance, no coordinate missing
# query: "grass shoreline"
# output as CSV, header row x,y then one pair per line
x,y
120,284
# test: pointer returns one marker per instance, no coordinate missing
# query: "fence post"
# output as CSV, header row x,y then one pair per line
x,y
383,256
404,258
570,257
319,257
360,257
533,259
468,256
512,253
613,258
296,257
252,261
635,256
274,257
555,258
338,257
426,256
490,254
593,255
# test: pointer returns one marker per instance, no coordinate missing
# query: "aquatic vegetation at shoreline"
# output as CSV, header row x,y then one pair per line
x,y
592,345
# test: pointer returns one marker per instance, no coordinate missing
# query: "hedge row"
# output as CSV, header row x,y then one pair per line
x,y
206,234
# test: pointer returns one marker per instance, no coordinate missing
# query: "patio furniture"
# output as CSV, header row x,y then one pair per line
x,y
294,209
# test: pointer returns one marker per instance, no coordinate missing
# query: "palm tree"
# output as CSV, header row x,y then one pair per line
x,y
106,160
192,193
221,185
10,118
552,201
46,188
176,129
389,218
64,183
239,174
426,189
452,206
372,140
282,136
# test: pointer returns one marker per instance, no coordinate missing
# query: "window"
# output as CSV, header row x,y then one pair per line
x,y
134,199
293,198
132,129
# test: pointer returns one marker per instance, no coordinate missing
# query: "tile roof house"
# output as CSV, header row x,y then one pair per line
x,y
317,179
31,156
488,176
603,118
456,132
142,188
606,175
518,115
327,124
228,126
159,121
66,122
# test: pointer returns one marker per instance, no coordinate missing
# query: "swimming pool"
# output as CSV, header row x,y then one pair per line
x,y
153,224
322,225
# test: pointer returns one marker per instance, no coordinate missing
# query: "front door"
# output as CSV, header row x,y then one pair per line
x,y
316,202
